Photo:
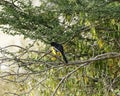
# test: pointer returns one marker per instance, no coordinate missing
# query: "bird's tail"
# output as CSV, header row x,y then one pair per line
x,y
64,58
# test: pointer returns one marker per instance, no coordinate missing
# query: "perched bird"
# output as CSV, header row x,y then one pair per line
x,y
59,48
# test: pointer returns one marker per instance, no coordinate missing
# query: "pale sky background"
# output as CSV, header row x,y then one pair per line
x,y
6,39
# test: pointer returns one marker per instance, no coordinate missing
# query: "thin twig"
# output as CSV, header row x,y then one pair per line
x,y
65,77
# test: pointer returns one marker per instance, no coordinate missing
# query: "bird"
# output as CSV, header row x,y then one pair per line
x,y
59,48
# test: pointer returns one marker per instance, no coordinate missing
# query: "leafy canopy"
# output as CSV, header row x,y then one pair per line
x,y
86,27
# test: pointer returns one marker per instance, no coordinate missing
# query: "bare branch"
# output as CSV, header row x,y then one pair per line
x,y
84,63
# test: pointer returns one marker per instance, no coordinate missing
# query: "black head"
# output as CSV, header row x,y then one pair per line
x,y
53,43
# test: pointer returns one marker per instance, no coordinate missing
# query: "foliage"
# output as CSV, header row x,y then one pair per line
x,y
88,29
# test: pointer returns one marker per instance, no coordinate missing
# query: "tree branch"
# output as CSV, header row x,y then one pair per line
x,y
65,77
104,56
85,63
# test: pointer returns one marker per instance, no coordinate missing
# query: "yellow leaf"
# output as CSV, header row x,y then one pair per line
x,y
113,21
56,53
86,79
93,31
87,23
53,51
53,58
100,43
